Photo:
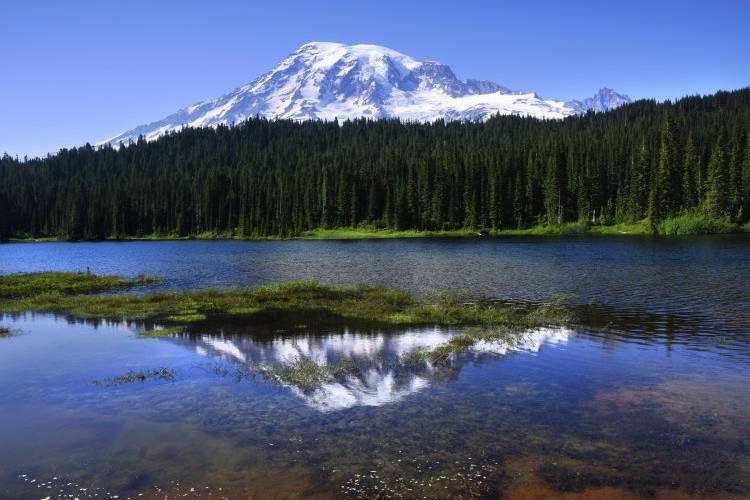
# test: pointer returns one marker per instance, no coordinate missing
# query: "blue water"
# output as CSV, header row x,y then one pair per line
x,y
650,400
701,278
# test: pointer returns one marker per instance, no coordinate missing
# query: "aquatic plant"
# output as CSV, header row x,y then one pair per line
x,y
414,356
264,304
138,376
442,353
5,332
22,285
305,373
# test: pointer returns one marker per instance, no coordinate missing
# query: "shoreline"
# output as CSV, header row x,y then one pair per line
x,y
354,234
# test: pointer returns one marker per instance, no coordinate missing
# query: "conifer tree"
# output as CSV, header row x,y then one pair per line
x,y
265,178
717,197
690,170
552,192
745,190
666,186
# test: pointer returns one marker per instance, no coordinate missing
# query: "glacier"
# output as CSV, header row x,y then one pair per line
x,y
333,81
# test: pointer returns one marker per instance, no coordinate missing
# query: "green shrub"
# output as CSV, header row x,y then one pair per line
x,y
694,223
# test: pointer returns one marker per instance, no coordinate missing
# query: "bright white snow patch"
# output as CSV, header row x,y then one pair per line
x,y
327,81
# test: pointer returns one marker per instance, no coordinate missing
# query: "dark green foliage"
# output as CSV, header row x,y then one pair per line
x,y
23,285
717,197
281,178
696,222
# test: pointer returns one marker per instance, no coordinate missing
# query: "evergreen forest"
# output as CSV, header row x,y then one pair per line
x,y
645,161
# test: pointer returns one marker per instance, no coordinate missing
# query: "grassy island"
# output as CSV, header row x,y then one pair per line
x,y
71,294
16,287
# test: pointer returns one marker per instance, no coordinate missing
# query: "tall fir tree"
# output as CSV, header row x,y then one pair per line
x,y
717,196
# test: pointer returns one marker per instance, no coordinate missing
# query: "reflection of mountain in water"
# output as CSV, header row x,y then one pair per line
x,y
380,369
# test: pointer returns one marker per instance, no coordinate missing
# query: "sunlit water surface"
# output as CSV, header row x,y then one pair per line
x,y
652,400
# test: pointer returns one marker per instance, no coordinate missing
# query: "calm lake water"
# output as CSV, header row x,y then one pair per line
x,y
652,400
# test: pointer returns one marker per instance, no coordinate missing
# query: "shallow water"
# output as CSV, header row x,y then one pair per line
x,y
558,411
651,400
699,280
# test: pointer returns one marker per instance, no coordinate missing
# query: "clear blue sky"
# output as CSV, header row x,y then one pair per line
x,y
78,71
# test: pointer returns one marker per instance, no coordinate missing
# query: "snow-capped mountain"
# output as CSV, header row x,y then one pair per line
x,y
603,100
328,81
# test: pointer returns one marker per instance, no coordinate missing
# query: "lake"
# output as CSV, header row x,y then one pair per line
x,y
651,399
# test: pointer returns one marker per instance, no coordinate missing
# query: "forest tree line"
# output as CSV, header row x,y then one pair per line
x,y
645,160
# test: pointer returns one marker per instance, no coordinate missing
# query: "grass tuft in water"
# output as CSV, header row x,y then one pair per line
x,y
138,376
5,332
157,331
305,373
24,285
414,356
463,342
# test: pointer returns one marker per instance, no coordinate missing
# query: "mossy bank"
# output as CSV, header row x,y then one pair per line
x,y
69,294
692,223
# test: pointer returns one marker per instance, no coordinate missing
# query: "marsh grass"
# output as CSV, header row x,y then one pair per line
x,y
463,342
291,301
138,376
5,332
157,331
414,356
305,373
25,285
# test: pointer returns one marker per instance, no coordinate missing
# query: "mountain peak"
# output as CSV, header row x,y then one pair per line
x,y
330,80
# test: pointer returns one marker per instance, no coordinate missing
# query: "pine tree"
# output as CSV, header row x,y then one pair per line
x,y
667,185
493,201
745,190
584,199
519,202
354,209
325,217
552,192
263,178
437,204
373,202
641,188
735,164
690,168
717,197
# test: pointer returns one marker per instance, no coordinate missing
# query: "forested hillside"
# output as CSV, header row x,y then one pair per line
x,y
279,178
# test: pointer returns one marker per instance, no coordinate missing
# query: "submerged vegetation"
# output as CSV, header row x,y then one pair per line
x,y
265,303
138,376
510,338
305,373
